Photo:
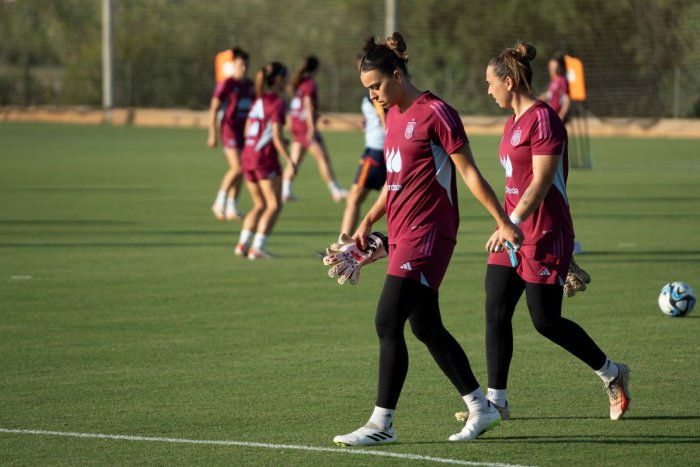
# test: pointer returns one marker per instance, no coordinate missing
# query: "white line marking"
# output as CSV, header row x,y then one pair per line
x,y
365,452
21,278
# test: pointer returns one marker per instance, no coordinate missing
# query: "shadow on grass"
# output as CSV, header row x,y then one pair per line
x,y
626,417
597,439
573,439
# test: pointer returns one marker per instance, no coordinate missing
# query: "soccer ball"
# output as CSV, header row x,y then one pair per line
x,y
676,299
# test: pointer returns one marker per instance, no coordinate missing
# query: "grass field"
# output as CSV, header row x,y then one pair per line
x,y
123,311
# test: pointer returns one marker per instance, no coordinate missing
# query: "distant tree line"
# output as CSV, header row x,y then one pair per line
x,y
641,57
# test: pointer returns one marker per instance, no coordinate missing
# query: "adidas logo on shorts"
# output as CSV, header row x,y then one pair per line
x,y
407,266
545,272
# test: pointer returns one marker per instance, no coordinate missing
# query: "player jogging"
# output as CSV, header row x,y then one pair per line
x,y
261,166
533,152
233,95
371,174
425,148
303,110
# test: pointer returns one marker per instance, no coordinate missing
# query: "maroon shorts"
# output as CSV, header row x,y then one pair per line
x,y
232,138
540,264
256,170
422,255
303,139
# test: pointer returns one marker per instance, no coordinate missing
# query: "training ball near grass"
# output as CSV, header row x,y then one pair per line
x,y
676,299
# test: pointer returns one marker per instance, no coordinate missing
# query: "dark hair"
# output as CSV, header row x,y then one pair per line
x,y
308,66
561,63
514,63
240,53
386,57
266,76
366,47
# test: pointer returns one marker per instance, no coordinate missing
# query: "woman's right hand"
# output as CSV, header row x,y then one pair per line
x,y
211,140
512,233
509,232
361,233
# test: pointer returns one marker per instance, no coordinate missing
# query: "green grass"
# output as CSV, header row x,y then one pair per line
x,y
124,311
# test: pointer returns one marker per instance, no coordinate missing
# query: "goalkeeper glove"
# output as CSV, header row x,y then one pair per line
x,y
576,279
345,258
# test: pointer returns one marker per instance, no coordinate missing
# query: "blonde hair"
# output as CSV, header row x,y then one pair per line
x,y
514,63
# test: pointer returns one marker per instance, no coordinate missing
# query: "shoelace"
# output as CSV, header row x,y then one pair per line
x,y
614,389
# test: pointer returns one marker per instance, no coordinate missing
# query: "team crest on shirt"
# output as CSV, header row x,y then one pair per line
x,y
515,138
410,127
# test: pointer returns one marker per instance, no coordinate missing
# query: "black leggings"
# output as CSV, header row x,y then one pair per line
x,y
503,290
407,299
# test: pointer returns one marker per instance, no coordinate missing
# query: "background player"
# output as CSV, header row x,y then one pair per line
x,y
303,110
261,166
234,95
534,154
371,174
425,147
557,95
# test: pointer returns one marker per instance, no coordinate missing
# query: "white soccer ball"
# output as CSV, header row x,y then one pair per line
x,y
676,299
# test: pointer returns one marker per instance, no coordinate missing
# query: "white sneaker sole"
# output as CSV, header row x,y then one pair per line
x,y
461,436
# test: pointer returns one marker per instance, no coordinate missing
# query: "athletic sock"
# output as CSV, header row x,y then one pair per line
x,y
608,371
381,417
476,401
231,204
286,188
259,241
498,397
245,237
333,186
221,199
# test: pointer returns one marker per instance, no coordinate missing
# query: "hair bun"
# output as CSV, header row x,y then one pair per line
x,y
398,45
370,43
525,50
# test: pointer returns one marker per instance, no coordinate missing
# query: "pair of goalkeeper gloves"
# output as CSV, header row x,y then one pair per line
x,y
346,258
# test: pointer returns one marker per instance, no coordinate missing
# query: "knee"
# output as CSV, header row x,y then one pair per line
x,y
427,334
258,207
385,330
272,206
386,325
547,328
497,315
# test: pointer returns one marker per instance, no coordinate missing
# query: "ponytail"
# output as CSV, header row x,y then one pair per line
x,y
266,76
308,66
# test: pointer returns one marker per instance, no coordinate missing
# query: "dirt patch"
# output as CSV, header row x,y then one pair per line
x,y
663,128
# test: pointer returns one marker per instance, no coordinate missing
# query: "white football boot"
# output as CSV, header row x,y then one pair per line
x,y
218,211
241,250
504,411
339,195
233,214
255,254
619,393
478,422
368,435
